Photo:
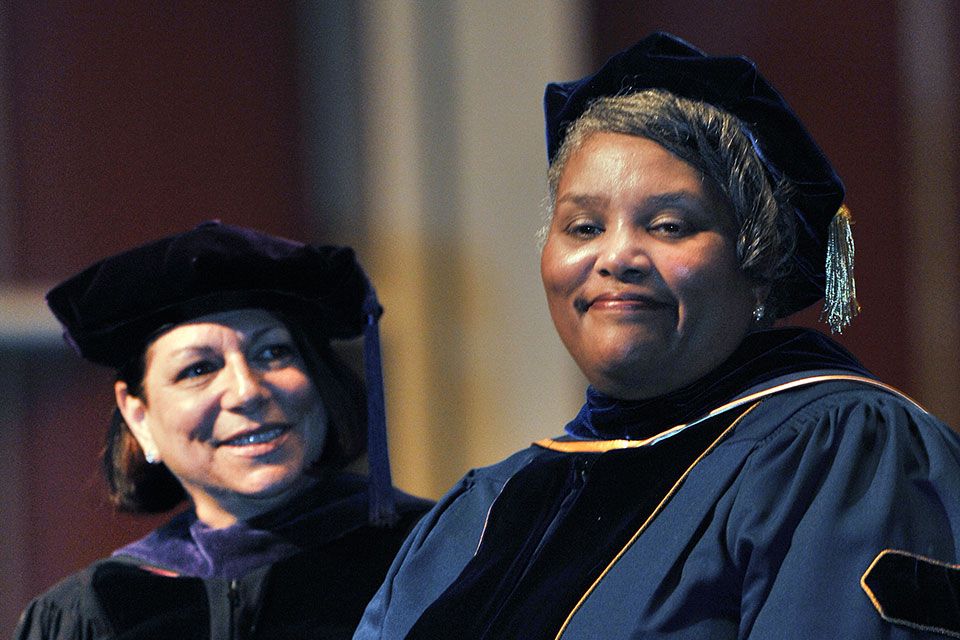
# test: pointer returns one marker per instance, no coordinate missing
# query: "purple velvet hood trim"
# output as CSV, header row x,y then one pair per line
x,y
188,547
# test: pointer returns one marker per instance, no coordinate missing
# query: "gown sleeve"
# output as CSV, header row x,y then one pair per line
x,y
66,612
38,622
46,620
434,553
846,478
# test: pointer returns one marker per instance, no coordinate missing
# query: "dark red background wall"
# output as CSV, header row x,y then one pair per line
x,y
126,121
130,120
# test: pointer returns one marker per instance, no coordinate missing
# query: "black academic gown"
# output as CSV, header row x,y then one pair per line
x,y
316,575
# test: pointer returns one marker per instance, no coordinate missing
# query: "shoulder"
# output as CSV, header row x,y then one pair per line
x,y
479,487
847,433
438,548
853,458
496,475
827,478
449,533
843,408
71,608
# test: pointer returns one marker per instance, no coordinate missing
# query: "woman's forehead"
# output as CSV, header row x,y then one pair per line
x,y
592,152
623,151
239,324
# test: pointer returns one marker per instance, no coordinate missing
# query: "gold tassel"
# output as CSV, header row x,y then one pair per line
x,y
840,298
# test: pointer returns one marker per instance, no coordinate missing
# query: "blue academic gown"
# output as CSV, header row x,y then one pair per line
x,y
827,509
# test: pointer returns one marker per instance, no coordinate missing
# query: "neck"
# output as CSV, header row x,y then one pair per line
x,y
210,513
627,385
220,511
763,356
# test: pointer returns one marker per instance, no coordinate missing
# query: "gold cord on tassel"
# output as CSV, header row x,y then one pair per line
x,y
840,298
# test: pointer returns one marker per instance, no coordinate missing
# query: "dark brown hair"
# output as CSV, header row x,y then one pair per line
x,y
140,487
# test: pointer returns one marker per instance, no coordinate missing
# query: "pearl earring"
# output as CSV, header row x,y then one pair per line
x,y
152,457
759,311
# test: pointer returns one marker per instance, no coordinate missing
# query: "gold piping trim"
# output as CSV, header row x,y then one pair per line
x,y
580,446
650,518
879,607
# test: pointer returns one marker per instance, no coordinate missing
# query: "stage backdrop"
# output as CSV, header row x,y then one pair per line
x,y
413,131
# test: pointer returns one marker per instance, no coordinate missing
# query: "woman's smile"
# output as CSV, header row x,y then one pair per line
x,y
622,302
255,442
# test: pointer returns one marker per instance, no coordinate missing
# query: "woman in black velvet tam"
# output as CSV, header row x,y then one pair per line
x,y
724,479
230,397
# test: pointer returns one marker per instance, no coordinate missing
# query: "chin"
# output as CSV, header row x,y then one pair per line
x,y
270,483
628,361
635,378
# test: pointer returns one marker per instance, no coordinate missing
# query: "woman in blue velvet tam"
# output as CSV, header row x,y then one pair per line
x,y
724,479
230,397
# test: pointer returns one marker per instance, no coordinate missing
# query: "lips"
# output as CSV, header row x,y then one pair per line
x,y
260,435
620,301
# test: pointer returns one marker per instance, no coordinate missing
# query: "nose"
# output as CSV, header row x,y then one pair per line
x,y
245,389
622,255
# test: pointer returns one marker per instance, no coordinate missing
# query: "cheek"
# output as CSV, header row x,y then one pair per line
x,y
706,270
309,404
191,418
685,273
312,414
562,270
690,277
298,392
707,283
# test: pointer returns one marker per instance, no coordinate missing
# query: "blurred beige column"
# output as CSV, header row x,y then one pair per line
x,y
453,192
929,51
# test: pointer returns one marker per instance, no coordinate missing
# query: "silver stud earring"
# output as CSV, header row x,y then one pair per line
x,y
152,457
759,311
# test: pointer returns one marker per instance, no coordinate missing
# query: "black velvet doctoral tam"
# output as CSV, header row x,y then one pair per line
x,y
112,308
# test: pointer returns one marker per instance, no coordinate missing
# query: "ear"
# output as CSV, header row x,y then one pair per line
x,y
761,292
134,413
763,318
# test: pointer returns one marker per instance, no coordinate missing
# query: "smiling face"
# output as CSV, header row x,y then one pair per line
x,y
640,269
229,407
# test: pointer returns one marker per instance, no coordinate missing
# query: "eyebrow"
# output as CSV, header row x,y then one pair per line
x,y
583,200
673,199
200,349
654,202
